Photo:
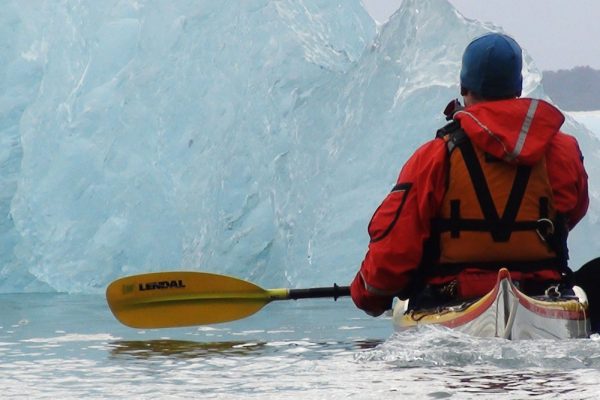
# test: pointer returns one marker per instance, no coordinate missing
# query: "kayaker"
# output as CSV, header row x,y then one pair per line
x,y
499,186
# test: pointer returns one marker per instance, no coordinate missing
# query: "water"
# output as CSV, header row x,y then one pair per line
x,y
70,347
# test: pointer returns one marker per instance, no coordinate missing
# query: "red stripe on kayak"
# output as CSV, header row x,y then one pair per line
x,y
548,312
471,315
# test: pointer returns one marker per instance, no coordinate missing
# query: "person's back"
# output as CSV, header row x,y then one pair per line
x,y
499,187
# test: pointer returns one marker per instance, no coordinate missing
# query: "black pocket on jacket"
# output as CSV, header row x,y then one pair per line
x,y
388,212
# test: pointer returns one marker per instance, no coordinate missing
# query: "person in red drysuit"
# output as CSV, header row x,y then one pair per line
x,y
500,186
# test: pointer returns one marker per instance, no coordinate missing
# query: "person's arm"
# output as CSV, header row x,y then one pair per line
x,y
399,228
568,178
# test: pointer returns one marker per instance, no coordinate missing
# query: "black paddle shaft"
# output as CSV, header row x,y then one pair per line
x,y
335,292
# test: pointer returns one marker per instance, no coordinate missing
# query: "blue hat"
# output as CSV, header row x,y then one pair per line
x,y
491,67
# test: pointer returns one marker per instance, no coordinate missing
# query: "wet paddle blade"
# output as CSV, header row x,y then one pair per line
x,y
176,299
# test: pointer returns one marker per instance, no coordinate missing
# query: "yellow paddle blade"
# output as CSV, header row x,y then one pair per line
x,y
180,298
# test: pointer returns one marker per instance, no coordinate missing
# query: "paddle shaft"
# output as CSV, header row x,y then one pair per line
x,y
311,293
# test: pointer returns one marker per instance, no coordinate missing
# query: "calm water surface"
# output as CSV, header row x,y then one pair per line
x,y
70,347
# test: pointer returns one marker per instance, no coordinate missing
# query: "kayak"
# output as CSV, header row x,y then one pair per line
x,y
507,313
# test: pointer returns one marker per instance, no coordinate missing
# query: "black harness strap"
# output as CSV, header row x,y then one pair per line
x,y
455,225
479,182
499,227
514,199
480,225
544,207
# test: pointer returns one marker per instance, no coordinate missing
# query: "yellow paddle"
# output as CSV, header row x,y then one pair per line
x,y
180,298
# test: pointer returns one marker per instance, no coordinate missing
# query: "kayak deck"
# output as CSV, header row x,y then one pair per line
x,y
507,313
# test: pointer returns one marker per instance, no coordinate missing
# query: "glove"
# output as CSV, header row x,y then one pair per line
x,y
373,304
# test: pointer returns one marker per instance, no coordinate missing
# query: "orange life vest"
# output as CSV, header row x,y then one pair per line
x,y
495,212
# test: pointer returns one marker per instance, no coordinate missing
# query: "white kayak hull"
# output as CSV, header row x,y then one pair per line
x,y
507,313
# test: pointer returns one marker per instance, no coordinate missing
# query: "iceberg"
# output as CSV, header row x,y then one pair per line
x,y
249,138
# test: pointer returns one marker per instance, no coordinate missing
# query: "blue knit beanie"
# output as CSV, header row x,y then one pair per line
x,y
491,67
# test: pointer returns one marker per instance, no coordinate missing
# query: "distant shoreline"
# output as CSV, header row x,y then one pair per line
x,y
575,89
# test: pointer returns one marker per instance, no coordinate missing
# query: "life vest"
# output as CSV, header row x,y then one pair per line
x,y
496,213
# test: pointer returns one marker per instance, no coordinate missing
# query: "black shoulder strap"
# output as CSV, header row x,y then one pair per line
x,y
455,134
447,129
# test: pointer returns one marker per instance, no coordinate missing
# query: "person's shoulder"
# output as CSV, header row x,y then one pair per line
x,y
566,137
429,154
432,147
565,141
564,146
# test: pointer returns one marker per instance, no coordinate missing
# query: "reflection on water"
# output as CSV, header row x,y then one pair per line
x,y
185,349
533,383
484,382
182,348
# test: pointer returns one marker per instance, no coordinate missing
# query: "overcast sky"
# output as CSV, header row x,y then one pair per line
x,y
558,34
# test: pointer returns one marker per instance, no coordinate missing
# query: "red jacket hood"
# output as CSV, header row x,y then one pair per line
x,y
516,130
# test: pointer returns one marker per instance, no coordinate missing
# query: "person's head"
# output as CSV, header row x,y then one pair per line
x,y
491,69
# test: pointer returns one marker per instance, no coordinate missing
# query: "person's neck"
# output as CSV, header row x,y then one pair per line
x,y
469,100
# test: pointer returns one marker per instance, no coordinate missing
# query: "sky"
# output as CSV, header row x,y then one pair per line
x,y
558,34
